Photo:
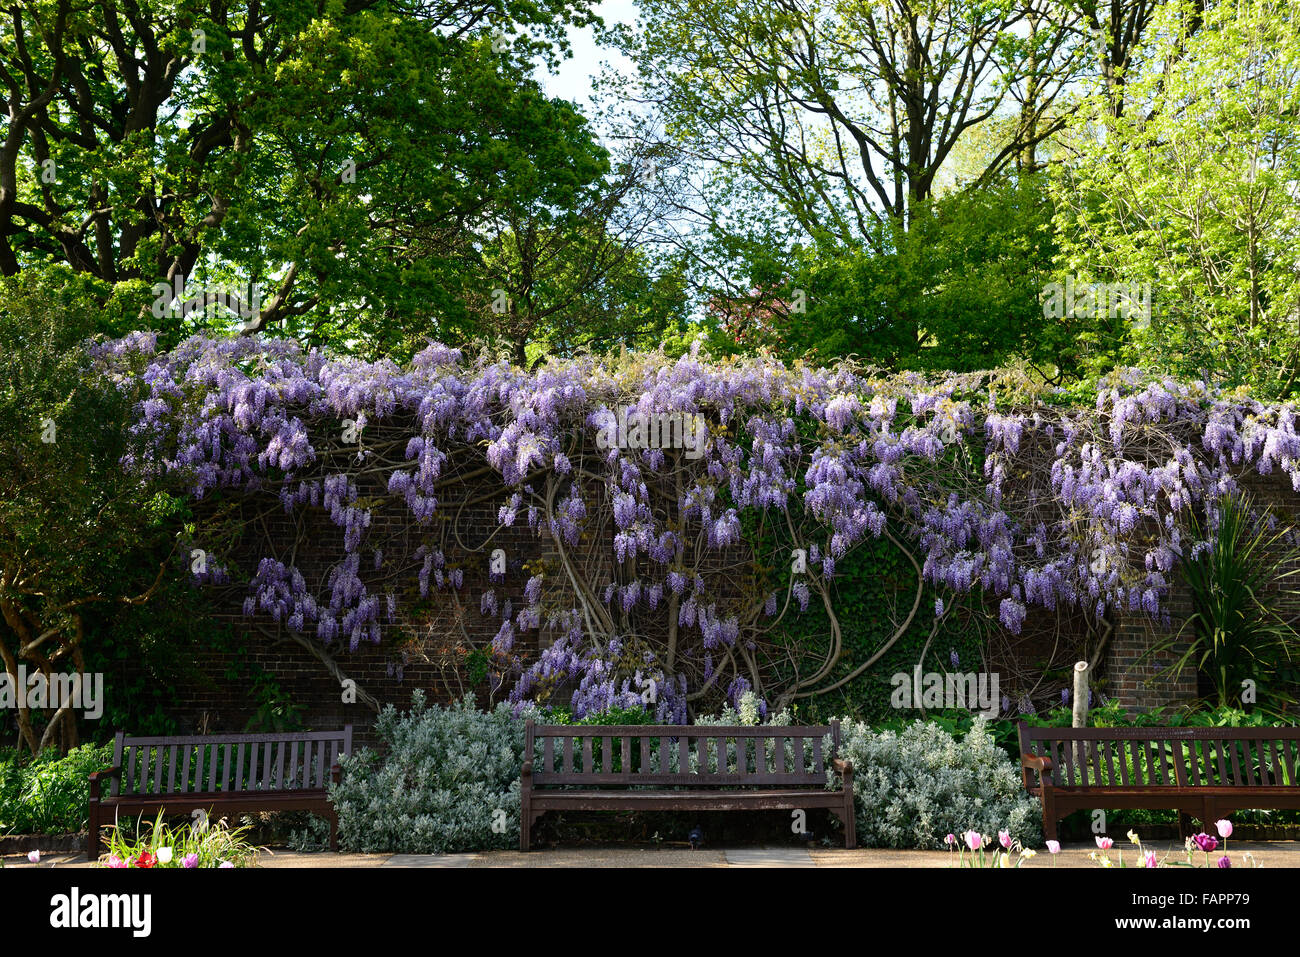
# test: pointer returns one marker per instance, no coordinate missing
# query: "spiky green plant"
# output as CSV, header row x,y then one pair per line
x,y
1239,586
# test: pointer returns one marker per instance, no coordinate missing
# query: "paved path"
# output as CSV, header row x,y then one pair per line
x,y
1270,854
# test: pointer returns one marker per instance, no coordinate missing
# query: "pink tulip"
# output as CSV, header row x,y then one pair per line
x,y
34,856
1224,828
1149,859
1206,842
1105,843
973,840
1004,838
1054,847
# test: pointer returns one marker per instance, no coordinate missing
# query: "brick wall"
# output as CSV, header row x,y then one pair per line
x,y
419,653
1141,681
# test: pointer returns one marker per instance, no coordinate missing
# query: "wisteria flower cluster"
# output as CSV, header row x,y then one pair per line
x,y
1004,489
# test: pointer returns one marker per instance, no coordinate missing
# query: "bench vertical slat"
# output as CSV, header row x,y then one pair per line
x,y
185,769
116,783
225,768
157,768
1125,774
1236,763
684,753
702,754
1278,780
279,766
128,786
327,776
214,759
1134,759
1095,748
1180,768
1067,752
266,765
625,746
171,769
239,767
778,754
1156,755
586,756
665,754
723,758
568,755
199,754
1249,762
607,754
1223,771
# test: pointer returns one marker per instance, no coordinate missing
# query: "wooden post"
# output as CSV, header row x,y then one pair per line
x,y
1080,694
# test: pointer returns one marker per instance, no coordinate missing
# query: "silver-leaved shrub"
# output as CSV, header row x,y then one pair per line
x,y
914,787
447,780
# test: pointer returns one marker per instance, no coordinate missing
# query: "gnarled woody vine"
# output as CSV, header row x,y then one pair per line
x,y
673,573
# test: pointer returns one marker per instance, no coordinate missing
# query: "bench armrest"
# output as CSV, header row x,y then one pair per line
x,y
336,773
527,770
102,773
1039,763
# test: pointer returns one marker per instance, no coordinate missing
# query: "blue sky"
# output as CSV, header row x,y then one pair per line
x,y
573,80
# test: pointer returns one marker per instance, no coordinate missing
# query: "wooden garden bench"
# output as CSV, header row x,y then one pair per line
x,y
219,774
1205,773
677,768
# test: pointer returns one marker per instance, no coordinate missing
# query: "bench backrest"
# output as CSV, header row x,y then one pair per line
x,y
693,755
1165,757
215,763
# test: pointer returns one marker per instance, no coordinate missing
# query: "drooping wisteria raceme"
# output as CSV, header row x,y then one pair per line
x,y
661,587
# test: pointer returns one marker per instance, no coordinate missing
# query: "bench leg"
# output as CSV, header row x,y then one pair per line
x,y
850,819
525,829
1049,816
93,837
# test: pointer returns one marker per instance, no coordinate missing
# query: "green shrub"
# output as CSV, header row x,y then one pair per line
x,y
48,794
448,781
917,785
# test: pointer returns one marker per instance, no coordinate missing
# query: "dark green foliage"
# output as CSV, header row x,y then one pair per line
x,y
48,794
